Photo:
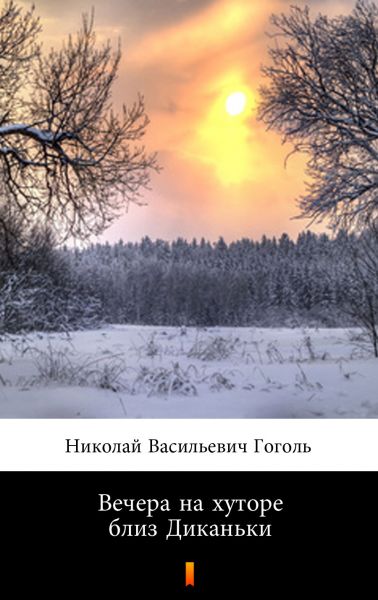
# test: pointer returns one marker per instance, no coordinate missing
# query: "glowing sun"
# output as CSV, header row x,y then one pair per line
x,y
236,103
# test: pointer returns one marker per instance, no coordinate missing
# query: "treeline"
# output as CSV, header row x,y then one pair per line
x,y
271,282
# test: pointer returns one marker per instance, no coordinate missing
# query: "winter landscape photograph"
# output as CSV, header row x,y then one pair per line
x,y
188,209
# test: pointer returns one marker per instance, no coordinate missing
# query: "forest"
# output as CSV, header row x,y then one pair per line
x,y
315,280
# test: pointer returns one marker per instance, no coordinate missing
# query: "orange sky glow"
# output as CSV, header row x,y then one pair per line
x,y
223,174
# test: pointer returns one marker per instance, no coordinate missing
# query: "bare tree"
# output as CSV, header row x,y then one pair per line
x,y
66,157
322,96
361,295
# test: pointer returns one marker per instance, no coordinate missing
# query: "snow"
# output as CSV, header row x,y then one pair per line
x,y
24,128
166,372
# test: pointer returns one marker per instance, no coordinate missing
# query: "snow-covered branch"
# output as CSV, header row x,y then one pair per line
x,y
65,155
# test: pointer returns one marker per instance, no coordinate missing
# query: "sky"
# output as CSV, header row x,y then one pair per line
x,y
222,174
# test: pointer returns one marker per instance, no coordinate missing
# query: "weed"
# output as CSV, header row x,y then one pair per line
x,y
164,381
214,348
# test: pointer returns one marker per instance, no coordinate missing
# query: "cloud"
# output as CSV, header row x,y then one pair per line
x,y
138,15
185,56
222,25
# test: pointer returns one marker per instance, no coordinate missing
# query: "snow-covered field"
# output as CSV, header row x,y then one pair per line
x,y
163,372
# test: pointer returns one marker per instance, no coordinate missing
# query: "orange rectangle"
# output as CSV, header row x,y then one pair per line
x,y
189,573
